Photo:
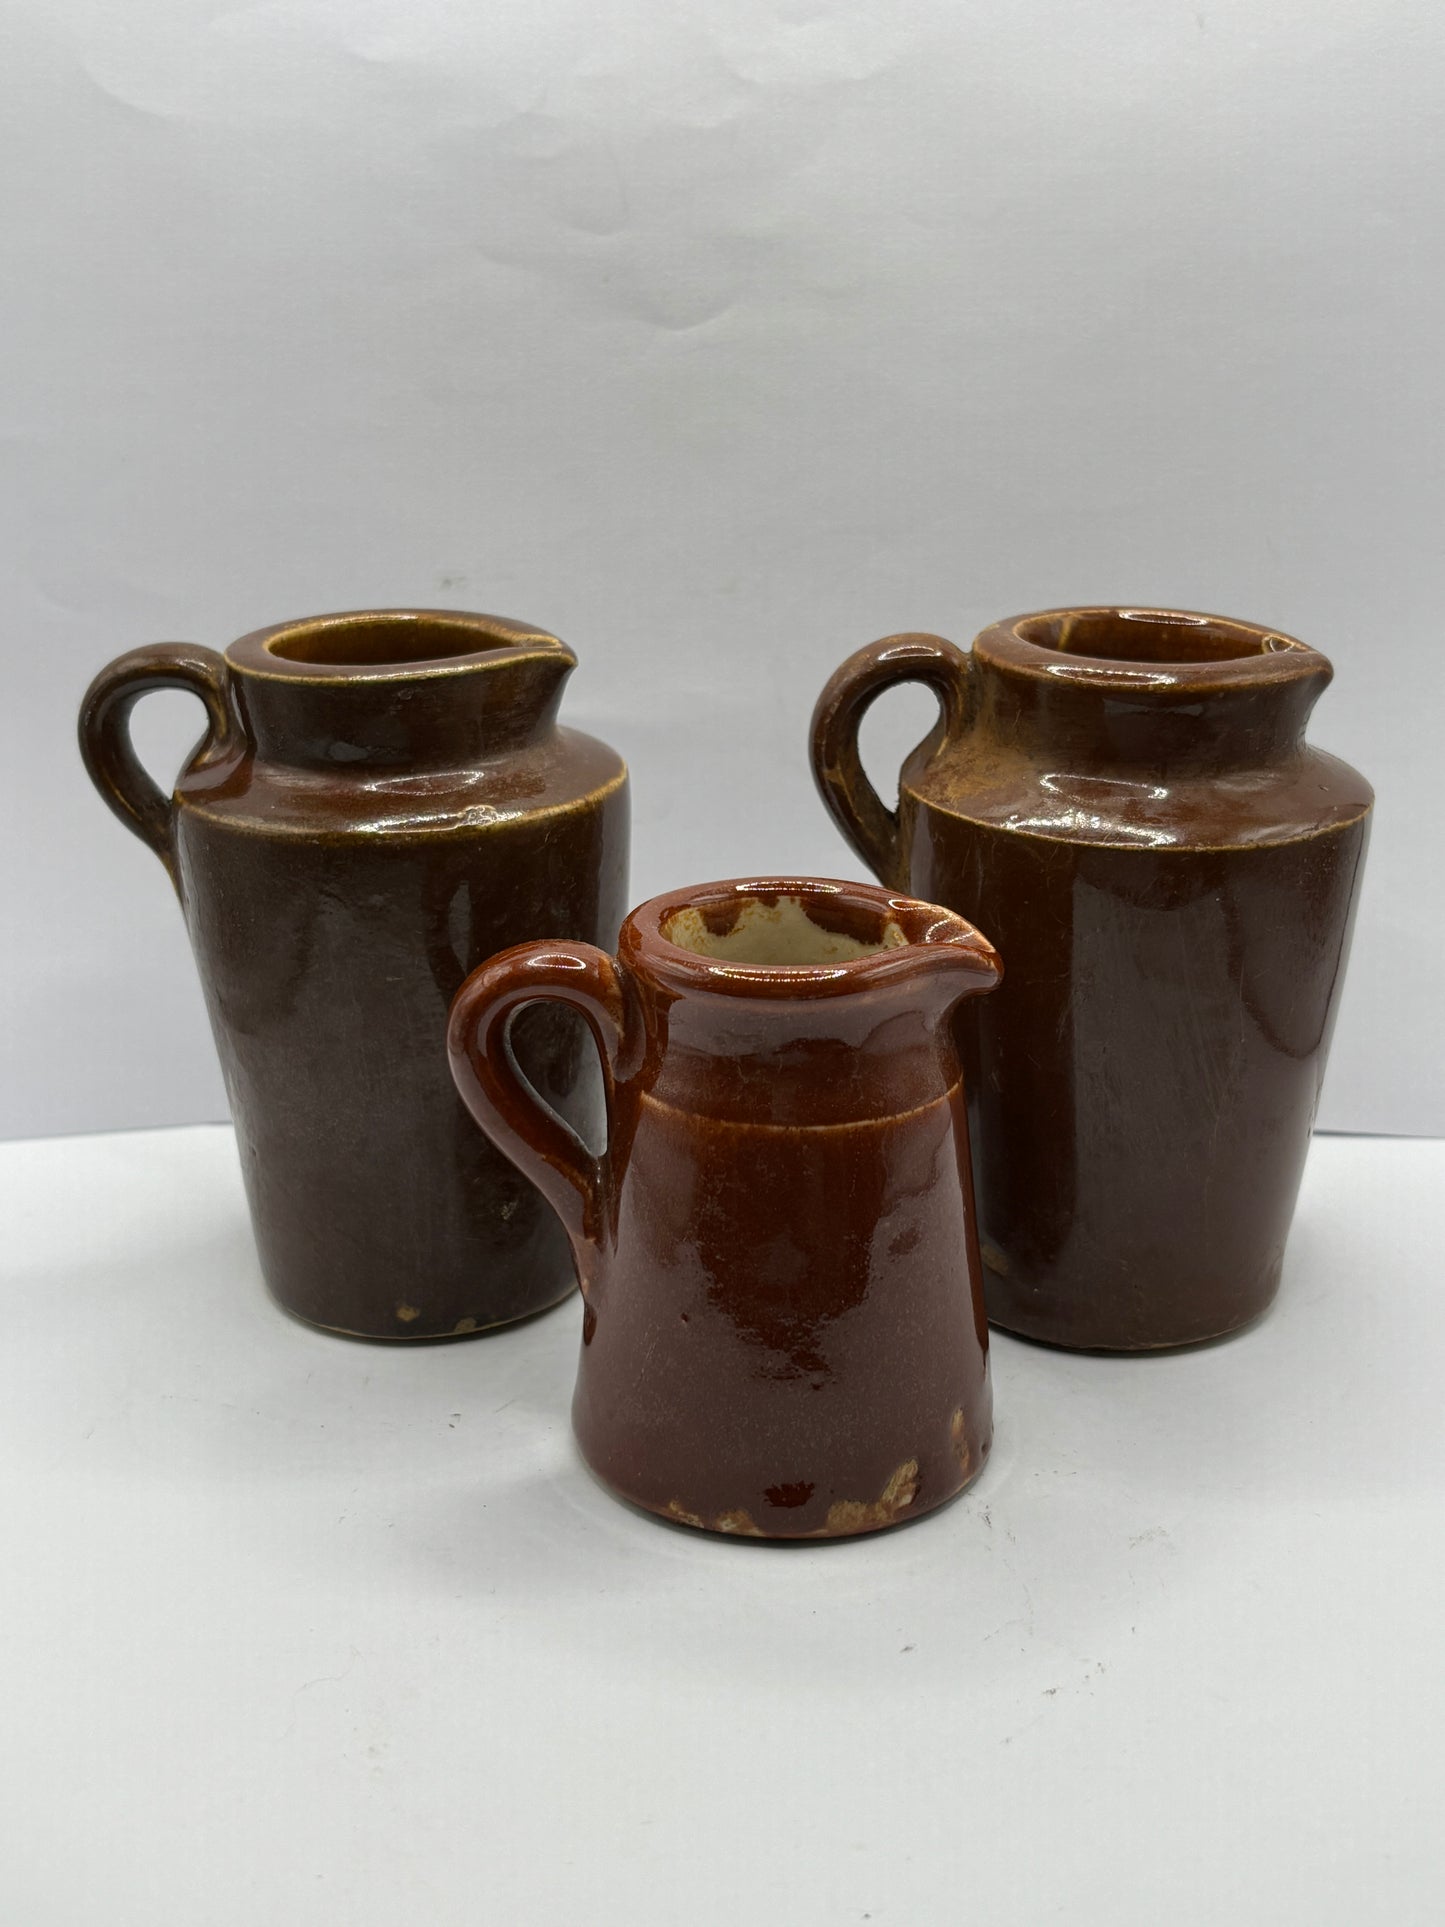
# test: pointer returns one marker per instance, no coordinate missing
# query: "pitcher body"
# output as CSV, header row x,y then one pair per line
x,y
381,801
1125,799
783,1332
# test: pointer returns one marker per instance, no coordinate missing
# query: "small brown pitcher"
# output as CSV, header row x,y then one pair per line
x,y
783,1333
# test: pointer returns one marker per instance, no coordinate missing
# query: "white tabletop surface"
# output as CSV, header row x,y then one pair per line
x,y
299,1630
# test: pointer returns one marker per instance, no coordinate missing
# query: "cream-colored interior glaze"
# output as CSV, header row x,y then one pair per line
x,y
780,932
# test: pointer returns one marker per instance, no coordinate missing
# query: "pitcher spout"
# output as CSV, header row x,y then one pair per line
x,y
951,949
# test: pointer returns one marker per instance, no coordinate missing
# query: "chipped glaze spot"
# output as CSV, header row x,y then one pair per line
x,y
738,1522
958,1437
860,1515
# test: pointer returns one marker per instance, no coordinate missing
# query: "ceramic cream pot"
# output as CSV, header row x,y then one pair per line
x,y
380,800
783,1333
1126,801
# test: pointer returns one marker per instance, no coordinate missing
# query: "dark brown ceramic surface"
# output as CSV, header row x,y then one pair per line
x,y
1125,800
381,801
783,1334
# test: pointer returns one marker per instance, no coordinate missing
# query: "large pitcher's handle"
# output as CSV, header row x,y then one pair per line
x,y
105,743
499,1097
851,800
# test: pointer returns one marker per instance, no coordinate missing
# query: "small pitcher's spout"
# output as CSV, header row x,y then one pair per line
x,y
941,942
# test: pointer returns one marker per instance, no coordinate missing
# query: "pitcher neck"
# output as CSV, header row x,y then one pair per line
x,y
397,689
1147,688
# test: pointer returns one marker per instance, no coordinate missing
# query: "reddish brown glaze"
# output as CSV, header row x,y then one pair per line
x,y
783,1334
380,801
1125,800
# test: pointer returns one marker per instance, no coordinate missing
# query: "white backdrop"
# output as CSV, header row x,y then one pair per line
x,y
719,337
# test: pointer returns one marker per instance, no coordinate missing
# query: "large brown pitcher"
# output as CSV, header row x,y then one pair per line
x,y
380,801
1125,800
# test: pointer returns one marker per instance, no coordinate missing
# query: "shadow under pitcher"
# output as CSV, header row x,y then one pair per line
x,y
381,800
1125,800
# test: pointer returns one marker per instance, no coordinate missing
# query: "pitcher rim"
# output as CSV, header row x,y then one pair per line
x,y
495,640
927,928
1271,656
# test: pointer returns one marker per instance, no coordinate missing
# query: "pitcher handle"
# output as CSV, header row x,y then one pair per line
x,y
500,1098
850,799
106,747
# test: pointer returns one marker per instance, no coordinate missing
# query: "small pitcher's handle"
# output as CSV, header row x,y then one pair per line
x,y
105,743
499,1097
851,800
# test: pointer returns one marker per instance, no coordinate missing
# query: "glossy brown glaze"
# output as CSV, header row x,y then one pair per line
x,y
1125,800
381,800
783,1334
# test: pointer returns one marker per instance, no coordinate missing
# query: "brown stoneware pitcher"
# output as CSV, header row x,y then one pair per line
x,y
783,1333
380,801
1125,799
